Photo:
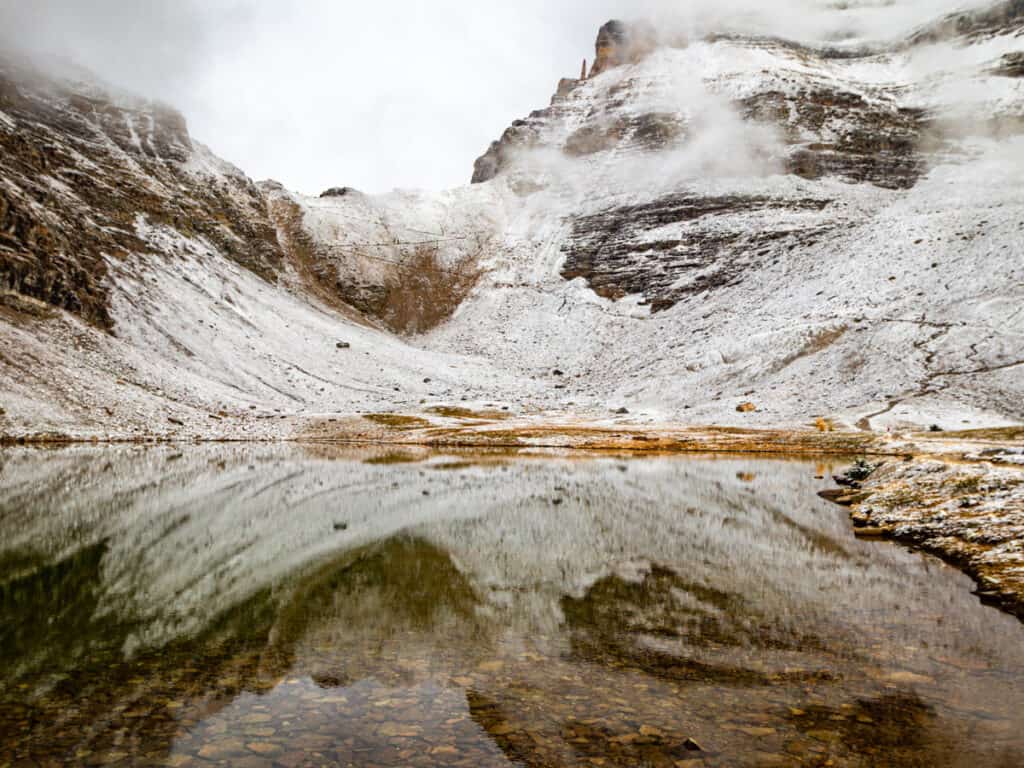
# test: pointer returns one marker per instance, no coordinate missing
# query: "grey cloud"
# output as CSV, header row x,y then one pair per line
x,y
146,45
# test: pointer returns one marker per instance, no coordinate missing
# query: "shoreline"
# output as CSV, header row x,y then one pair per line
x,y
468,431
969,514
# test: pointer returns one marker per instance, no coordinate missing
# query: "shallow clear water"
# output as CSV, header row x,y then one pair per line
x,y
261,606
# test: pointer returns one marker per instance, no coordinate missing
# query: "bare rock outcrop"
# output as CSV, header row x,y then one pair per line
x,y
621,43
613,252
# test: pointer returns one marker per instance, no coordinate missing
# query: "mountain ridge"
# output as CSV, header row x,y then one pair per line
x,y
687,229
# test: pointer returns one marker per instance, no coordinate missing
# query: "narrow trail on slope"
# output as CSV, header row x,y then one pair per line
x,y
928,385
864,423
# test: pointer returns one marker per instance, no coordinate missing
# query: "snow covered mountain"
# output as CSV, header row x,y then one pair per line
x,y
706,219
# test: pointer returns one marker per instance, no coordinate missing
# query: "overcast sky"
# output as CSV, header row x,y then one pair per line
x,y
373,95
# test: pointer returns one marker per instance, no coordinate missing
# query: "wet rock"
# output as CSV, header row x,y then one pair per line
x,y
968,514
757,731
855,475
257,717
220,750
771,759
825,735
396,730
842,496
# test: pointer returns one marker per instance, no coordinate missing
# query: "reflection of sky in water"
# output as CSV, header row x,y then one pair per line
x,y
533,610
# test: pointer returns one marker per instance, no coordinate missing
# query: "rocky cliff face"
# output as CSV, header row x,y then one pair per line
x,y
619,43
825,231
79,167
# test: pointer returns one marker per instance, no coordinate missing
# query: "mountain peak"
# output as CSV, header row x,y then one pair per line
x,y
620,42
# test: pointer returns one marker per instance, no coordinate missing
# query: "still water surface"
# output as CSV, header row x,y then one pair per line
x,y
269,606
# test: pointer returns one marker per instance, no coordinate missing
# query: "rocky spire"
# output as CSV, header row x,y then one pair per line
x,y
620,43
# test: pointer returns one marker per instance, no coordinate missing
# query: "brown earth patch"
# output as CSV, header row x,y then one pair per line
x,y
397,421
426,292
995,433
300,251
415,430
468,414
388,459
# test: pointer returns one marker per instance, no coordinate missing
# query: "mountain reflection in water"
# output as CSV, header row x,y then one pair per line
x,y
298,606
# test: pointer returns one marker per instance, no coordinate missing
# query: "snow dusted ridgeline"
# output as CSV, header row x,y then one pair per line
x,y
81,165
703,221
770,219
150,288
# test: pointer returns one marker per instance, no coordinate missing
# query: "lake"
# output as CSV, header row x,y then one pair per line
x,y
269,605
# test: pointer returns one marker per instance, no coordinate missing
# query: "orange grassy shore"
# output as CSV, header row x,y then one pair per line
x,y
452,427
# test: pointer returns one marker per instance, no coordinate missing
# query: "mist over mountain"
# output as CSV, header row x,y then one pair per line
x,y
387,94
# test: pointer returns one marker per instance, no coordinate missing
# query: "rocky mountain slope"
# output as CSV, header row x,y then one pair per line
x,y
824,231
82,167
